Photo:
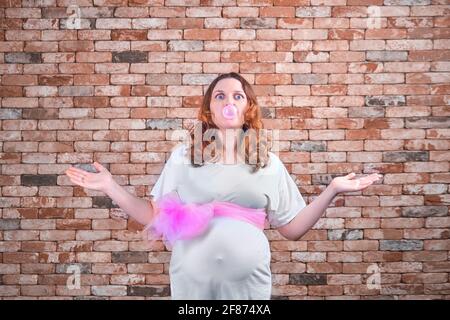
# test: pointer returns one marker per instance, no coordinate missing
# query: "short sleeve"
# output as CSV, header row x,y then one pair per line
x,y
285,200
171,174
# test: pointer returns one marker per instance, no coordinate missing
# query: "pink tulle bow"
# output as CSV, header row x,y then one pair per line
x,y
176,220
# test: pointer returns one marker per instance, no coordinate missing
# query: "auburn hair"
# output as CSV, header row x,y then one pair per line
x,y
252,120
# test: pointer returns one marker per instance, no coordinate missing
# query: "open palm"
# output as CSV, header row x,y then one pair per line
x,y
95,181
348,183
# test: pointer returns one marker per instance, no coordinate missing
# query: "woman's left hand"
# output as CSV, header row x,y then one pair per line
x,y
349,184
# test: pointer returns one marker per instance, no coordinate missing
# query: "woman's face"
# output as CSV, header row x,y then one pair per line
x,y
229,92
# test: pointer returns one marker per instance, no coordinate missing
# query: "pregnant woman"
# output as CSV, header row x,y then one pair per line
x,y
211,208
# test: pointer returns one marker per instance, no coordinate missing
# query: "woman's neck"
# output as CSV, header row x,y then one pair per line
x,y
229,137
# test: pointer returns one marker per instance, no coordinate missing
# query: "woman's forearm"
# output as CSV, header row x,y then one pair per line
x,y
139,209
309,215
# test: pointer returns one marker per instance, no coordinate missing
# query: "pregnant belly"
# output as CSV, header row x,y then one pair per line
x,y
229,250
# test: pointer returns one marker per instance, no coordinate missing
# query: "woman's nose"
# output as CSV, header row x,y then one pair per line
x,y
229,100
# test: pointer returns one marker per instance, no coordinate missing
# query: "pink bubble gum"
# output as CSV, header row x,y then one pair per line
x,y
229,112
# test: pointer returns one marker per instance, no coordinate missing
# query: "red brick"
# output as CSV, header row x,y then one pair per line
x,y
324,267
380,256
325,290
38,290
20,257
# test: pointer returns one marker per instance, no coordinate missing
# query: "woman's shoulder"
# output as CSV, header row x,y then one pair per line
x,y
273,165
274,159
179,154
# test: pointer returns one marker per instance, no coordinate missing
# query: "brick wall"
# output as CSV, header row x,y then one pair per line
x,y
351,85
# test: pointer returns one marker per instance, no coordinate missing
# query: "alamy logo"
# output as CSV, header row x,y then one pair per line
x,y
74,19
374,17
374,280
74,280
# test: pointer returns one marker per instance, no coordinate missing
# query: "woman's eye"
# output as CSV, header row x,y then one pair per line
x,y
237,96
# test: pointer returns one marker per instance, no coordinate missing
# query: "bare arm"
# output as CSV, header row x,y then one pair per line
x,y
308,216
140,209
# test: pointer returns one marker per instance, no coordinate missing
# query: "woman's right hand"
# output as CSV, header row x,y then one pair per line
x,y
100,180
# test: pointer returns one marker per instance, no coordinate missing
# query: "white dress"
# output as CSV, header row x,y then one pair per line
x,y
231,260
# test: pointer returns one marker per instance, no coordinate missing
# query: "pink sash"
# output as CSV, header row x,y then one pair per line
x,y
176,220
